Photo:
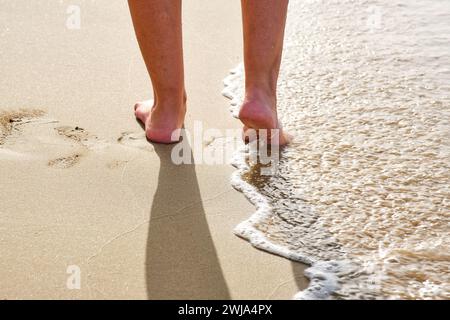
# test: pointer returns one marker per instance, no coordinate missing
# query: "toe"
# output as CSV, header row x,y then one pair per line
x,y
147,105
142,110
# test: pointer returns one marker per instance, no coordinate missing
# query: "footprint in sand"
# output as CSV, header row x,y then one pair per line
x,y
26,134
135,140
80,136
11,120
65,162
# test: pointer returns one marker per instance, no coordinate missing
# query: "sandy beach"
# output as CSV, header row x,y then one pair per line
x,y
82,190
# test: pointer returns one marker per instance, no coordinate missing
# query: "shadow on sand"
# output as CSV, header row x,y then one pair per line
x,y
181,260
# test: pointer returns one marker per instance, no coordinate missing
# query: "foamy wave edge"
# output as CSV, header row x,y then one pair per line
x,y
322,274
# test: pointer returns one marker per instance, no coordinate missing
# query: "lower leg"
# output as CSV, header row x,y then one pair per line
x,y
264,24
158,29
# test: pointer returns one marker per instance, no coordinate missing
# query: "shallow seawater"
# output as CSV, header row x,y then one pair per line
x,y
363,192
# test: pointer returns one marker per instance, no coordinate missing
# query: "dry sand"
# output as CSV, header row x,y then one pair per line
x,y
80,186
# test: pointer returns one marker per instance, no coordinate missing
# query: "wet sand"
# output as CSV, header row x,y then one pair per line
x,y
362,191
81,187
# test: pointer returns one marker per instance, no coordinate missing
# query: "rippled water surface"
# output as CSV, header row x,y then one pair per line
x,y
363,193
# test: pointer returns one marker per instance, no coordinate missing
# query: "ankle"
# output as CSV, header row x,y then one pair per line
x,y
265,81
176,100
262,94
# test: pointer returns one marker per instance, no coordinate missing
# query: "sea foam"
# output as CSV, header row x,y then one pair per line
x,y
361,195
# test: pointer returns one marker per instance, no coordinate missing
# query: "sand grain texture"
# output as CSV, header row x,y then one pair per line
x,y
76,191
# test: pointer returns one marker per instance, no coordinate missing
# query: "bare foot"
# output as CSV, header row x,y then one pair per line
x,y
259,115
162,125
